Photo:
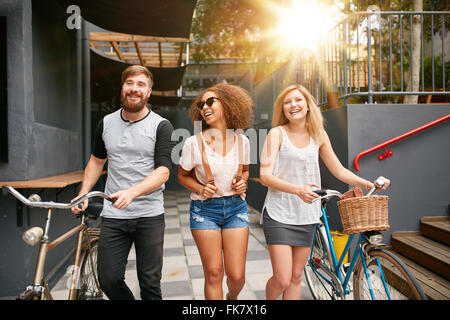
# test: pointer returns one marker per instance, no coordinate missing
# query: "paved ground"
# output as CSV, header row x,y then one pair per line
x,y
182,274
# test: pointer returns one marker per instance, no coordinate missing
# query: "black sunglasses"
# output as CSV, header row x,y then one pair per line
x,y
209,102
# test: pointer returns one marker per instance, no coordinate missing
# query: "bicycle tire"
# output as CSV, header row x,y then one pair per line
x,y
321,289
401,284
88,280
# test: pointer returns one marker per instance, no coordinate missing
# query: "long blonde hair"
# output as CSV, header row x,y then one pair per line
x,y
314,118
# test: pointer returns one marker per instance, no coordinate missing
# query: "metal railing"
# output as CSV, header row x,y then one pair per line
x,y
389,153
370,55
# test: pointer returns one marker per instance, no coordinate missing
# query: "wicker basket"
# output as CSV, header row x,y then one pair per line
x,y
362,214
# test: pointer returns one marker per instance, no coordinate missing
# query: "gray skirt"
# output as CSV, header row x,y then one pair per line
x,y
288,234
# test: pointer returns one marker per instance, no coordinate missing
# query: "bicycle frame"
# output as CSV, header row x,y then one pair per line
x,y
336,265
39,284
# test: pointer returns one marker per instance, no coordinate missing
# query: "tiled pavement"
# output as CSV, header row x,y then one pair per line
x,y
182,274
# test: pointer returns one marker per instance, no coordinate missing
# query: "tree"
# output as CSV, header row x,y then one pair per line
x,y
414,86
226,29
240,29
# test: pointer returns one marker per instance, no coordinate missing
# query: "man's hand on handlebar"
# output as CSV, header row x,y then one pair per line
x,y
80,207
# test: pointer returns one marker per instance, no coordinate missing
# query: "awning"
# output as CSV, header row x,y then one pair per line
x,y
106,79
141,17
146,32
157,100
166,79
138,49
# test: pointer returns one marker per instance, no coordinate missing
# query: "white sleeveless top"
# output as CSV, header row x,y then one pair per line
x,y
298,166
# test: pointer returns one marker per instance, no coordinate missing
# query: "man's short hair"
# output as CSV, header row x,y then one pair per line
x,y
137,69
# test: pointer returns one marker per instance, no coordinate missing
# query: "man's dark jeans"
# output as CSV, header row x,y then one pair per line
x,y
116,239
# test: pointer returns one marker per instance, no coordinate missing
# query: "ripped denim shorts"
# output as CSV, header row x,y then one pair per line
x,y
219,213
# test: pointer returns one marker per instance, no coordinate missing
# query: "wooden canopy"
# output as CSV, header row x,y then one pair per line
x,y
144,50
106,82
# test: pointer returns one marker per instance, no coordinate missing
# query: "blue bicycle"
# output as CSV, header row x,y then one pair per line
x,y
377,273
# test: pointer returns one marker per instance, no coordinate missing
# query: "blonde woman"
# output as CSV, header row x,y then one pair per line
x,y
214,166
290,169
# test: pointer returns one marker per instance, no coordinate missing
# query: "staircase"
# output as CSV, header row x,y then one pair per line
x,y
427,255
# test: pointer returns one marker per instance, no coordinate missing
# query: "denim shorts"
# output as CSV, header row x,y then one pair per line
x,y
219,213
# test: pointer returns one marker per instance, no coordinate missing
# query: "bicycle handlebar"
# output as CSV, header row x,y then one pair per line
x,y
55,205
328,193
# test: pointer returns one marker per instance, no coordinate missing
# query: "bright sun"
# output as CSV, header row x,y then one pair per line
x,y
303,25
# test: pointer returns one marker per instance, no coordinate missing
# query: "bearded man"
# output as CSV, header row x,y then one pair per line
x,y
137,144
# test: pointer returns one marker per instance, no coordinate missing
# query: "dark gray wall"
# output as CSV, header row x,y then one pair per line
x,y
19,84
419,167
44,129
57,102
44,104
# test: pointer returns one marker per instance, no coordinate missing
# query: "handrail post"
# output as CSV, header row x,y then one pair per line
x,y
345,64
369,59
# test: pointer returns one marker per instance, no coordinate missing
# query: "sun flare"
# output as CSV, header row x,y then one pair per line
x,y
303,24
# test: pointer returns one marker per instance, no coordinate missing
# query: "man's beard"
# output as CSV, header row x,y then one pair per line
x,y
133,107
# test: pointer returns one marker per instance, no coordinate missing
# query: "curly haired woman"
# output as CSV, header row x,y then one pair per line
x,y
214,166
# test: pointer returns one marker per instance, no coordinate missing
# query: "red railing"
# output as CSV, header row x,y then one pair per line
x,y
389,153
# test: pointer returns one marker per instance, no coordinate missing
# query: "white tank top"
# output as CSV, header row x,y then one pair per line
x,y
298,166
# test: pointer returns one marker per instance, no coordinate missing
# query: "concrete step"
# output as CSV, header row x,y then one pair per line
x,y
436,228
434,286
430,254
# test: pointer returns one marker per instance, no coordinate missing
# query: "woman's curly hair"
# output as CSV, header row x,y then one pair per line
x,y
236,102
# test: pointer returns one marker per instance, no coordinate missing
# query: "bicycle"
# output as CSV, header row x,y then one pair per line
x,y
377,273
84,282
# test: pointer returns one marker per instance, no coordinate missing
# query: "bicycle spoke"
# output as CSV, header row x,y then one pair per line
x,y
322,282
89,286
368,276
323,285
388,279
380,269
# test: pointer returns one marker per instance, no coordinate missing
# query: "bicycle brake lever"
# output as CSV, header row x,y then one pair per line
x,y
326,194
320,192
377,185
112,200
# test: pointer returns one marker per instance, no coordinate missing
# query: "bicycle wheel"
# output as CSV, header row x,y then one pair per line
x,y
89,288
322,282
398,284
